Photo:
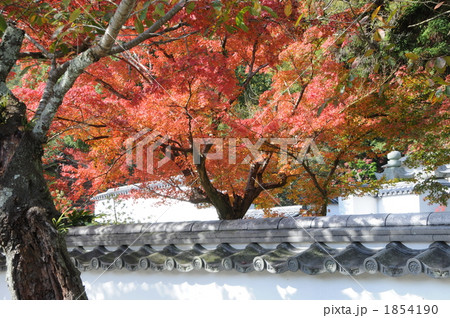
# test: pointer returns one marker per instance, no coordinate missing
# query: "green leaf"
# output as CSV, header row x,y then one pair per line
x,y
321,108
3,24
74,15
369,52
447,90
391,15
447,59
143,13
230,28
26,69
217,5
270,11
390,46
376,68
412,56
159,9
439,80
190,7
66,3
138,25
148,22
240,19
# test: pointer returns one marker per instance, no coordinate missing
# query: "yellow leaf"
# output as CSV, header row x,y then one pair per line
x,y
299,19
375,13
377,37
257,7
288,9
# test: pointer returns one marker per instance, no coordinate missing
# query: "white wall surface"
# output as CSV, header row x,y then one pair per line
x,y
150,210
200,285
407,203
358,205
403,203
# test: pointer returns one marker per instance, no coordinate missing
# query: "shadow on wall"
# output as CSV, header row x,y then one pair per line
x,y
260,286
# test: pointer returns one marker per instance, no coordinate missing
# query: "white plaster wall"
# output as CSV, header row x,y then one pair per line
x,y
150,210
201,285
405,203
358,205
333,209
408,203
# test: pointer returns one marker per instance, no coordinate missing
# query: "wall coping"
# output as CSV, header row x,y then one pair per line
x,y
408,227
135,246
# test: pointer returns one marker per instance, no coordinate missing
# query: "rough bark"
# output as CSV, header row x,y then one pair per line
x,y
38,264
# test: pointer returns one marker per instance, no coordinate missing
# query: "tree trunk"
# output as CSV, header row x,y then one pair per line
x,y
324,208
38,264
226,208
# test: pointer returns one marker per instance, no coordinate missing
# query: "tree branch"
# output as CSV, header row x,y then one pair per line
x,y
60,82
108,86
9,51
119,18
147,34
428,20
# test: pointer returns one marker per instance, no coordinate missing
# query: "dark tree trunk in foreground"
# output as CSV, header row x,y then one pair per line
x,y
38,264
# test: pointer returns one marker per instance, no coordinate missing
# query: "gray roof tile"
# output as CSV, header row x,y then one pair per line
x,y
391,260
181,246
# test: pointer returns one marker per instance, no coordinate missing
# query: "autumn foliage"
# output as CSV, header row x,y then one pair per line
x,y
187,86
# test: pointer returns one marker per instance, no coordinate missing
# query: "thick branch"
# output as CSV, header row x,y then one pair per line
x,y
9,51
117,21
147,34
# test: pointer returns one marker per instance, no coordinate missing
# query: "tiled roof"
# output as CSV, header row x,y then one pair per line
x,y
127,189
401,188
297,244
395,259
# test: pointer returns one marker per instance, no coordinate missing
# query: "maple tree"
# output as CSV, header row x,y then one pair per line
x,y
182,72
320,90
201,100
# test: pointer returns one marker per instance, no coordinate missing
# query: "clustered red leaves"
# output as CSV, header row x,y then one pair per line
x,y
188,89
